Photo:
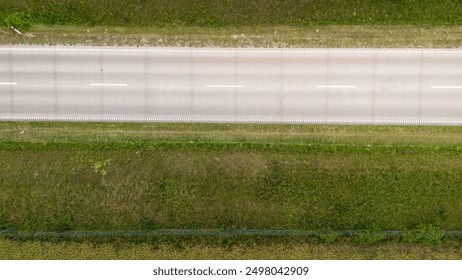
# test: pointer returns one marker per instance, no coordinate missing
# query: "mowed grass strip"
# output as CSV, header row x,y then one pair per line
x,y
142,133
69,176
316,36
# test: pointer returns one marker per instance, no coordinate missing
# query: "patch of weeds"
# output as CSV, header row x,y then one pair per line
x,y
272,182
426,234
19,20
327,235
370,235
100,167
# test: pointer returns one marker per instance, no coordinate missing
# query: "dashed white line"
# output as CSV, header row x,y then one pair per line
x,y
224,86
447,87
8,84
110,85
335,86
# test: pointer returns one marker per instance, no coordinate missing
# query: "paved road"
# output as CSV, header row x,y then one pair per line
x,y
231,85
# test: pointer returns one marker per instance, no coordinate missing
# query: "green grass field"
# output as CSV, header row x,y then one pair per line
x,y
70,176
107,176
232,12
234,23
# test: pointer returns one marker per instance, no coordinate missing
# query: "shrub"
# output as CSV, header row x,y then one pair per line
x,y
19,20
424,233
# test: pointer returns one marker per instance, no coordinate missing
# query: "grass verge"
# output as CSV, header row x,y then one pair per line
x,y
72,176
283,250
316,36
205,13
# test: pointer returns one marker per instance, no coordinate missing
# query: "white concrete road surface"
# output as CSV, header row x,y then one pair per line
x,y
377,86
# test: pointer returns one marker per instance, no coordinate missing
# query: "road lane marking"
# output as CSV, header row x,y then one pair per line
x,y
224,86
110,85
332,86
228,120
8,84
447,87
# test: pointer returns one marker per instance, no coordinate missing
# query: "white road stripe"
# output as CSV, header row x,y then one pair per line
x,y
223,86
332,86
446,87
110,85
227,120
8,84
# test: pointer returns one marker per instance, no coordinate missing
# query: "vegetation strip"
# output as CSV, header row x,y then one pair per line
x,y
91,177
221,248
196,232
262,23
204,13
225,146
320,36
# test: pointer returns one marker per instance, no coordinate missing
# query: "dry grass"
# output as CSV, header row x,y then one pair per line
x,y
36,250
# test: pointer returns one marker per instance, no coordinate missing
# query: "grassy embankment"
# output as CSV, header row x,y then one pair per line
x,y
263,23
70,176
148,176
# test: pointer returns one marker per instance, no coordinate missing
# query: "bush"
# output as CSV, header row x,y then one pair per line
x,y
427,234
370,236
19,20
